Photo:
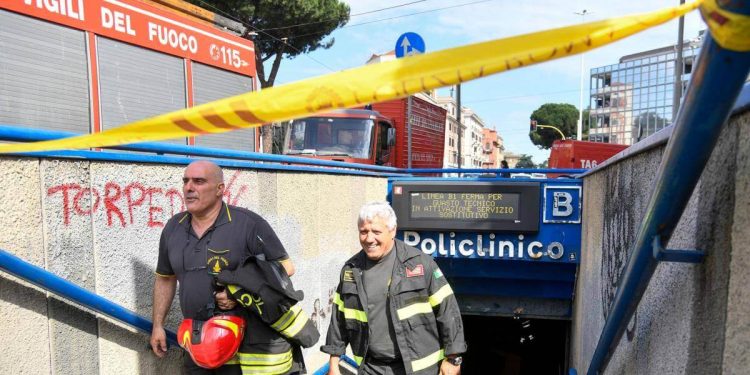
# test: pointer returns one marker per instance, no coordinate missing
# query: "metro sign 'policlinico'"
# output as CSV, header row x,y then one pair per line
x,y
464,245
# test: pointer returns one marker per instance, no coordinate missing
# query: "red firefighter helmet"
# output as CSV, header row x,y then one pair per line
x,y
213,342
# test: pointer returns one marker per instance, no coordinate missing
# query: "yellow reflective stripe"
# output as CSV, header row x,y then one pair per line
x,y
268,370
425,307
264,359
414,309
233,288
358,359
233,361
286,319
423,363
349,313
257,363
296,326
440,295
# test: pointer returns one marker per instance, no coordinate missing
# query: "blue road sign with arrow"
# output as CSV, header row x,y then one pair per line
x,y
409,44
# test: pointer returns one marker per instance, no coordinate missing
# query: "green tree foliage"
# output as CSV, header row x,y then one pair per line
x,y
285,28
525,162
560,115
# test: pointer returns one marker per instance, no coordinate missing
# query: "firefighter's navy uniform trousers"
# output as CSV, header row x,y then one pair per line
x,y
423,310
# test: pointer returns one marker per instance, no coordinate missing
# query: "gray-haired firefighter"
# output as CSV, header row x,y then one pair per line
x,y
394,306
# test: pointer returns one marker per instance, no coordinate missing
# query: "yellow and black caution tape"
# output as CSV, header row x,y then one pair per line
x,y
370,83
730,30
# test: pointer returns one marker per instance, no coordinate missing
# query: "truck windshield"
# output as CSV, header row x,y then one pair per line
x,y
327,136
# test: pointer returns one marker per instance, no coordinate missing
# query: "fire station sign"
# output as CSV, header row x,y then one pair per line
x,y
143,25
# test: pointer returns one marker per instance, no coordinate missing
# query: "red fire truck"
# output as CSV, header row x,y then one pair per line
x,y
581,154
85,66
378,136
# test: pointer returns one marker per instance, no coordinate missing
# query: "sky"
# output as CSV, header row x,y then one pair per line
x,y
504,101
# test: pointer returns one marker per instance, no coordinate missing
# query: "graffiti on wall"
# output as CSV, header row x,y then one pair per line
x,y
320,315
618,235
132,203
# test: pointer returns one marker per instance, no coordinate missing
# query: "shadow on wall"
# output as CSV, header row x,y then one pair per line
x,y
17,294
716,205
74,335
73,331
148,363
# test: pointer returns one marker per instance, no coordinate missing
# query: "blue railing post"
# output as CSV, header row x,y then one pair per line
x,y
715,85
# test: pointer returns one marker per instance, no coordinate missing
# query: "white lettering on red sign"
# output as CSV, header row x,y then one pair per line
x,y
170,37
588,164
116,20
68,8
227,55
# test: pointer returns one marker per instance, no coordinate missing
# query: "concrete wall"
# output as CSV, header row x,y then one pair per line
x,y
97,224
693,319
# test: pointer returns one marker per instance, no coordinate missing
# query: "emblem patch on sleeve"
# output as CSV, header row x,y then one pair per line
x,y
418,270
438,273
348,276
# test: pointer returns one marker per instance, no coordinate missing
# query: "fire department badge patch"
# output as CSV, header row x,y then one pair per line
x,y
418,270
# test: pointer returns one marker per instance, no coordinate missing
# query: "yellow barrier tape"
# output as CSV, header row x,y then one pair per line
x,y
370,83
729,30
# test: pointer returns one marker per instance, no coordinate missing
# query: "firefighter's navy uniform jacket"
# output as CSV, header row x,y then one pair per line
x,y
236,234
267,292
423,308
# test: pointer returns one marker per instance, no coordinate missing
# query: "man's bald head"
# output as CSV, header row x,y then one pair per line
x,y
212,170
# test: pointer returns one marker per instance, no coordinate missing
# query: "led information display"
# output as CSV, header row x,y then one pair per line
x,y
465,206
483,206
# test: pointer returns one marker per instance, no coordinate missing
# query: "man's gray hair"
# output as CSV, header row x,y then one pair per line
x,y
382,210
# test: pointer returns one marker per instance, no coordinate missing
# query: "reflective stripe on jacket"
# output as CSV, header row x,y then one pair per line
x,y
424,312
268,293
276,324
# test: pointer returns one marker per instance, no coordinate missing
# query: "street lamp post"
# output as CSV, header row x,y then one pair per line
x,y
579,125
535,125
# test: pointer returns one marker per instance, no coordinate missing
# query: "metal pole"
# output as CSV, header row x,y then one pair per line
x,y
677,95
458,118
408,137
579,125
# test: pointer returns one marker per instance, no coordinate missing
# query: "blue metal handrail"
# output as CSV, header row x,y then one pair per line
x,y
25,134
571,171
715,85
231,158
40,277
324,369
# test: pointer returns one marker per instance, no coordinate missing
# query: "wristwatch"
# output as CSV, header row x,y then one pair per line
x,y
455,361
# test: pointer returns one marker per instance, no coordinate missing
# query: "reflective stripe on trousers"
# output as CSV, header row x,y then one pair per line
x,y
257,363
